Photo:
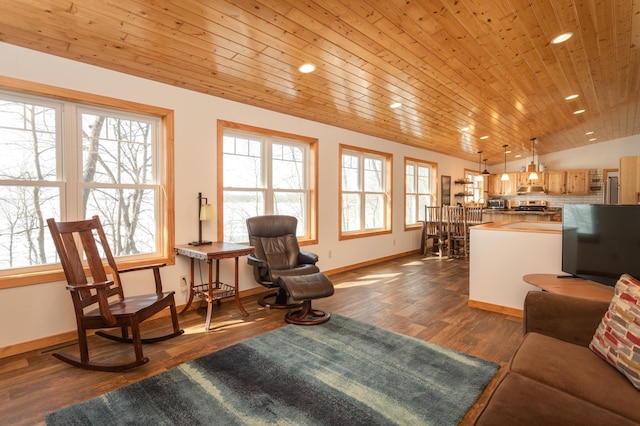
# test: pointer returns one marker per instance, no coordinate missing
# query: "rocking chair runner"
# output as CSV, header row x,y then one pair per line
x,y
91,303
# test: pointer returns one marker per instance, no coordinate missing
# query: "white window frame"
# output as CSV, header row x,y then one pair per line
x,y
307,232
413,198
69,170
478,182
386,193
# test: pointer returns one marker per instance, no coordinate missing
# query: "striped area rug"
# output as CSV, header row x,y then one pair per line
x,y
343,372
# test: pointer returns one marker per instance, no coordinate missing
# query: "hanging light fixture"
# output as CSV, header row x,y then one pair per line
x,y
505,176
532,167
485,172
479,176
533,187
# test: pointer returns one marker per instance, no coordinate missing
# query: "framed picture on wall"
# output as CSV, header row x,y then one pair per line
x,y
445,190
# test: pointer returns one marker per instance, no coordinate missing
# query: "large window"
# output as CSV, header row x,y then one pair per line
x,y
365,192
420,181
69,161
265,172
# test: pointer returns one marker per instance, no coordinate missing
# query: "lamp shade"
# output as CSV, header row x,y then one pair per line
x,y
206,212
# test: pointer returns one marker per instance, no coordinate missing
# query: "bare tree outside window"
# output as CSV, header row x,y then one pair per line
x,y
39,179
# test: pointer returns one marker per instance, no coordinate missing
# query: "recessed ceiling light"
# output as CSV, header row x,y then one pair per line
x,y
593,139
588,133
484,137
518,155
395,105
580,111
465,129
306,68
561,38
571,97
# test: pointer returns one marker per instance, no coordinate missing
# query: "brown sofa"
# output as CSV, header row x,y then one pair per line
x,y
554,378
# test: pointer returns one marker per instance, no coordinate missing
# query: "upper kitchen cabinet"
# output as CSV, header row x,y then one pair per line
x,y
629,180
577,182
498,187
554,182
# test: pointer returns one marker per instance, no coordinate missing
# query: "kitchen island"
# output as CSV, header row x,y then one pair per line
x,y
502,253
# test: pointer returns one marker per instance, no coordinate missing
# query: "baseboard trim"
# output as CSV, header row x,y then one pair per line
x,y
495,308
68,336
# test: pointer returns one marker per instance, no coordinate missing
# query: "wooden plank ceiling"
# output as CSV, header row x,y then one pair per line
x,y
462,69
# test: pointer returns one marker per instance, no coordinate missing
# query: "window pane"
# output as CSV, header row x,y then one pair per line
x,y
410,212
373,175
24,237
350,173
287,167
350,212
423,201
291,204
117,150
424,180
410,179
242,164
374,211
238,206
28,135
128,217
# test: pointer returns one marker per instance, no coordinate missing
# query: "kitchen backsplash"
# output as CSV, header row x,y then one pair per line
x,y
596,195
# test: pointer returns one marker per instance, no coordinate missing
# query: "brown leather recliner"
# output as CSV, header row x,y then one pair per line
x,y
277,254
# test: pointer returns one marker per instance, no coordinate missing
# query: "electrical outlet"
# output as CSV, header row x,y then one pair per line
x,y
183,282
329,255
394,242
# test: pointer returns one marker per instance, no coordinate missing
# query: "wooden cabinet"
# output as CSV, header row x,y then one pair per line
x,y
629,180
559,182
577,182
498,187
554,182
494,186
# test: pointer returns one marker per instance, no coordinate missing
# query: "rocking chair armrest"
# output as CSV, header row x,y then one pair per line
x,y
141,267
156,273
96,285
103,301
254,261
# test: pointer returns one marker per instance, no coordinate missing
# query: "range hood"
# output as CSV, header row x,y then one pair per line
x,y
531,189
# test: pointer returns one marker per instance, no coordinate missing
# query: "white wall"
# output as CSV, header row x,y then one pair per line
x,y
32,312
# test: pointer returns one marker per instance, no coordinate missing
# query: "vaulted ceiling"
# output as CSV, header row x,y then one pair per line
x,y
461,69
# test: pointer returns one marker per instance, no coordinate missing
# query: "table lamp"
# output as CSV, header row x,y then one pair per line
x,y
205,212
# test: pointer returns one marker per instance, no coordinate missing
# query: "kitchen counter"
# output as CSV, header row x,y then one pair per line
x,y
502,253
510,215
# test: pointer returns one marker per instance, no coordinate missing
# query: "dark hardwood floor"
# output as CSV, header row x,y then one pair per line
x,y
421,297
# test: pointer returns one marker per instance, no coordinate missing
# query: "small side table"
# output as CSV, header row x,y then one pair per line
x,y
214,290
570,286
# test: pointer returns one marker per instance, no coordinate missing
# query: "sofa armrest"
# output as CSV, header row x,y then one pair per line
x,y
567,318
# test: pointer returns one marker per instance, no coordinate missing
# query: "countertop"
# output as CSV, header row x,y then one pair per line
x,y
547,212
521,226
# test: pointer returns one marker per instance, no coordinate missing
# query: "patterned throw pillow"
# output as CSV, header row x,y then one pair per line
x,y
617,339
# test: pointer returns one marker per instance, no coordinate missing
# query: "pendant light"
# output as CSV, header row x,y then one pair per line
x,y
532,167
505,176
479,176
485,172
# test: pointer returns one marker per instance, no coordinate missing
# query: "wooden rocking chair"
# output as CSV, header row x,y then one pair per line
x,y
93,309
